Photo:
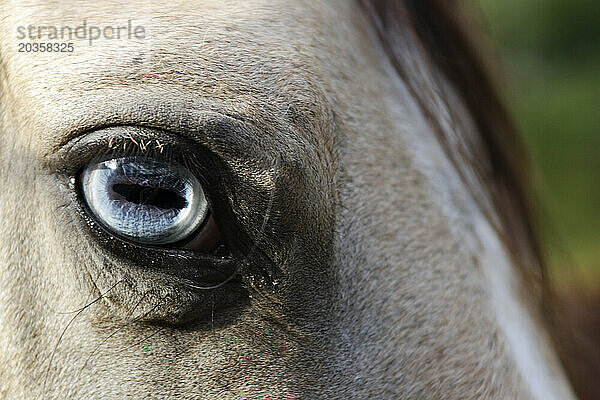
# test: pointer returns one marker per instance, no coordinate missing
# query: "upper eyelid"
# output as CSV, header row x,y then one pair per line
x,y
212,127
219,154
118,140
185,122
85,148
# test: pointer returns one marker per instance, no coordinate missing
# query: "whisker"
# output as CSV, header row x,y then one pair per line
x,y
92,302
212,311
148,337
78,313
115,331
61,206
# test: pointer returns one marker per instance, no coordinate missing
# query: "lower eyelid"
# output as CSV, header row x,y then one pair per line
x,y
202,270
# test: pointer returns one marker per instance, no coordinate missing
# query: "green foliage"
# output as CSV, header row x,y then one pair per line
x,y
558,28
551,51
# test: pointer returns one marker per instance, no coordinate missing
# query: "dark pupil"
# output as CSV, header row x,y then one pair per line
x,y
145,195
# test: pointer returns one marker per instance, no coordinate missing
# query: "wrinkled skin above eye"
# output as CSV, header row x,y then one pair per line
x,y
144,199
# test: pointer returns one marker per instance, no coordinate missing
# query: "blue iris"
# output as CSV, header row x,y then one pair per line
x,y
145,199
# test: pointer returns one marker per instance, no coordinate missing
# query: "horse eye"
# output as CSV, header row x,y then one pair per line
x,y
146,200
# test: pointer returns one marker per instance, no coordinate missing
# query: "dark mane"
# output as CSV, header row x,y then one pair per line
x,y
440,32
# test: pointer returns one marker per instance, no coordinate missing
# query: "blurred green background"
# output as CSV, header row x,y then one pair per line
x,y
551,55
